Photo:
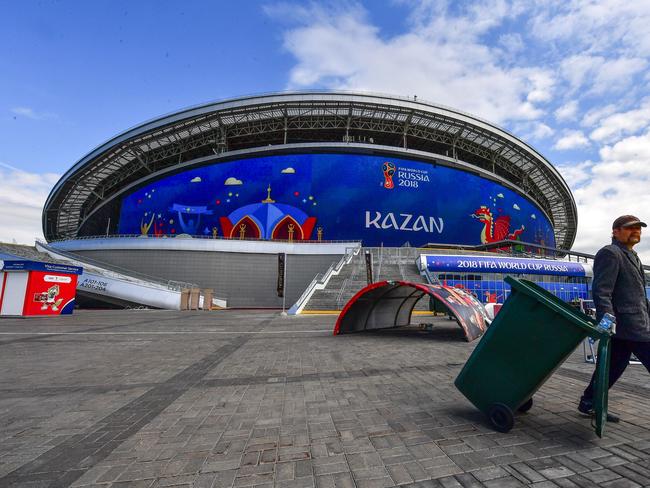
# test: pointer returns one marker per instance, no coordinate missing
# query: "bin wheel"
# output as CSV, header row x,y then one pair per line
x,y
526,405
501,417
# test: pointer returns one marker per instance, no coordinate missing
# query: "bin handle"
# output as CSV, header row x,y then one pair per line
x,y
602,384
522,284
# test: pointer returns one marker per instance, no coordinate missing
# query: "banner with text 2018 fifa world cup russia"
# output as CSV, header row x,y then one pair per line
x,y
507,265
376,199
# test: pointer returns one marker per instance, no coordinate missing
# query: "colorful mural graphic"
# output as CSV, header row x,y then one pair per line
x,y
333,197
495,230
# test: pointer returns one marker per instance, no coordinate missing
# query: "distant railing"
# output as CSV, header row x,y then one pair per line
x,y
377,274
339,296
170,284
321,280
424,271
203,237
520,248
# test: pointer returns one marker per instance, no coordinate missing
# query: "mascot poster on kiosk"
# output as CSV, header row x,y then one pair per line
x,y
50,294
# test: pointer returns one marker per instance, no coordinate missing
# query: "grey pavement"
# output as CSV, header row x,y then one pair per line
x,y
251,398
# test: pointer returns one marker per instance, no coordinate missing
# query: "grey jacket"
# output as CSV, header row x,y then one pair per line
x,y
619,289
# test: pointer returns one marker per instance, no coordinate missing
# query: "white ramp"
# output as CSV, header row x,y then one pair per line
x,y
119,286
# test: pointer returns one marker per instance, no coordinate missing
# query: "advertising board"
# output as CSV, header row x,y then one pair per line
x,y
488,264
50,294
375,199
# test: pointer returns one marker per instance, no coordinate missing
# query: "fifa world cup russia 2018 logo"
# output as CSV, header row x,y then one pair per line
x,y
389,170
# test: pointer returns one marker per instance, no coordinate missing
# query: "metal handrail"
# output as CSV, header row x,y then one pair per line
x,y
318,279
512,245
339,297
201,236
380,260
309,290
323,279
170,284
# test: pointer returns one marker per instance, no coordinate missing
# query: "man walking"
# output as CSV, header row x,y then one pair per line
x,y
619,289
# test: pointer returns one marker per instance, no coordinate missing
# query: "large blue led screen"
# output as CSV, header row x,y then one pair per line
x,y
376,199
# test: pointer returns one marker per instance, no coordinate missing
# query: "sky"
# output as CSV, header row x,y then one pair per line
x,y
569,77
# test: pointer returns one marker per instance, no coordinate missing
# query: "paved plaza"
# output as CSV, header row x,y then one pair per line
x,y
250,398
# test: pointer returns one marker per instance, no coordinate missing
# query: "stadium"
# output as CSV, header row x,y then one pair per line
x,y
212,194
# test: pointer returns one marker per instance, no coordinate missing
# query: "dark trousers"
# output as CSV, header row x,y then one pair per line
x,y
621,351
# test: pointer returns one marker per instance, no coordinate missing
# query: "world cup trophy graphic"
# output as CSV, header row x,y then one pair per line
x,y
389,170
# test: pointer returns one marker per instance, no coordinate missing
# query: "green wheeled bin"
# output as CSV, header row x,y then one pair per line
x,y
533,333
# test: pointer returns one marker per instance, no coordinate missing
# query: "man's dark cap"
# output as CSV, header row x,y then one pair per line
x,y
627,221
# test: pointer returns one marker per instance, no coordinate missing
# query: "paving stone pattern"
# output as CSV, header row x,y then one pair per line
x,y
250,398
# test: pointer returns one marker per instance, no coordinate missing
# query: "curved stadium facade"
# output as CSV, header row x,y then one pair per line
x,y
315,167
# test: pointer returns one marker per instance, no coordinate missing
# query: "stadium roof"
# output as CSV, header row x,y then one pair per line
x,y
290,120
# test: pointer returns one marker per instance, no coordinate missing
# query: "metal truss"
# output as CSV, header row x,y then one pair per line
x,y
279,119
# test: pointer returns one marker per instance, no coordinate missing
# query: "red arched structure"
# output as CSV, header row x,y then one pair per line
x,y
281,230
388,304
252,230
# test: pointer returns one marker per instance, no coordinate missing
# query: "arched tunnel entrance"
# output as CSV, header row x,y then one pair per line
x,y
388,304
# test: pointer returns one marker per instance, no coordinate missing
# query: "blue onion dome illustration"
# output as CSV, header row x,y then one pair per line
x,y
267,214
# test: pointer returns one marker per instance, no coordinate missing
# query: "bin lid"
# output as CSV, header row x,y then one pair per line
x,y
560,306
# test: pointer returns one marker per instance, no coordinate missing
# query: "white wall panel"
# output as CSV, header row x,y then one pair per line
x,y
14,297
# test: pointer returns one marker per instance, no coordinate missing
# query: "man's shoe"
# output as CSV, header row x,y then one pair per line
x,y
586,406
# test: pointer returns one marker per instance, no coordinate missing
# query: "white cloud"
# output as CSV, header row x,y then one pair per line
x,y
289,170
504,60
567,111
512,43
30,113
439,59
576,174
22,196
596,114
196,179
532,130
596,26
542,86
600,74
628,157
614,126
616,75
572,139
575,69
542,131
618,184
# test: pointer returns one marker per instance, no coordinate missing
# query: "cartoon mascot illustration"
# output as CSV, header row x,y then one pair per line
x,y
49,298
495,230
144,227
389,170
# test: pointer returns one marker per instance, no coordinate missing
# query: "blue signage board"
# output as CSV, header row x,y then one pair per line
x,y
488,264
25,265
374,199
